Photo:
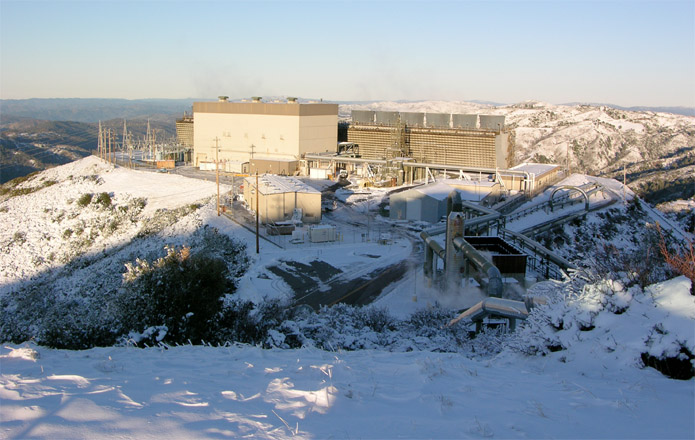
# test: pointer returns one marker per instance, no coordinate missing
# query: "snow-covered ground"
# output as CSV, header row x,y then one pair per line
x,y
594,386
593,389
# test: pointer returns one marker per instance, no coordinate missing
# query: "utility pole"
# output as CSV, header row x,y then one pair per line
x,y
217,173
148,139
258,193
99,141
125,137
624,184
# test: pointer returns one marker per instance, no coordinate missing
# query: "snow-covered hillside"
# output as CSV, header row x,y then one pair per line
x,y
576,368
594,388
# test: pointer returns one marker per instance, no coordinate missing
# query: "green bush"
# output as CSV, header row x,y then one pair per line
x,y
85,199
103,199
180,291
19,237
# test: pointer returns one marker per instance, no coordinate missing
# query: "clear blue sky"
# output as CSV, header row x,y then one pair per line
x,y
620,52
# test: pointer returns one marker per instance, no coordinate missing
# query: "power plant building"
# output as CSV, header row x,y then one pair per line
x,y
184,131
242,131
438,138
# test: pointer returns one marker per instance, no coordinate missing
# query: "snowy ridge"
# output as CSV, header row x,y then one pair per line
x,y
50,227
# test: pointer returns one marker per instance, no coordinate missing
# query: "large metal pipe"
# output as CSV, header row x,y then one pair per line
x,y
436,247
465,168
476,207
431,247
470,224
495,287
540,249
343,159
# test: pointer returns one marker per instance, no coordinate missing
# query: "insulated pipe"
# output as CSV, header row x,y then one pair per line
x,y
476,207
540,249
431,248
343,159
475,221
436,247
494,286
470,223
420,165
570,187
463,168
429,262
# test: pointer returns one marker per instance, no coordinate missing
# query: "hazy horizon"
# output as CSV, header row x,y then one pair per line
x,y
624,53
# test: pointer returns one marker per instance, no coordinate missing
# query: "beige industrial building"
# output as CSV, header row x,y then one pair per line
x,y
538,176
278,197
184,131
243,131
438,138
282,167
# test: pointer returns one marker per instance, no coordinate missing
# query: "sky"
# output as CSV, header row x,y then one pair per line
x,y
620,52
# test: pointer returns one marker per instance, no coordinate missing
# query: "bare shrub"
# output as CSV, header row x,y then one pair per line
x,y
681,257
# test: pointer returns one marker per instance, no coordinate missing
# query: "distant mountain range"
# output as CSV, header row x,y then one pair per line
x,y
685,111
97,109
94,110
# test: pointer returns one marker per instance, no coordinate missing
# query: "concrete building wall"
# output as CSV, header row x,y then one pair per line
x,y
416,206
273,166
502,159
246,130
397,207
280,206
318,134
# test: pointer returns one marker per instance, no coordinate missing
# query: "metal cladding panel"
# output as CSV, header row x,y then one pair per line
x,y
386,118
465,121
363,116
438,120
491,122
413,119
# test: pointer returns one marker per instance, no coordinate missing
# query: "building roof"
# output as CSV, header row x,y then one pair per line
x,y
470,190
272,184
535,168
266,108
438,190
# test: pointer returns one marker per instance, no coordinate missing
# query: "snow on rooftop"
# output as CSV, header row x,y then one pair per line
x,y
272,184
471,190
535,168
438,190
